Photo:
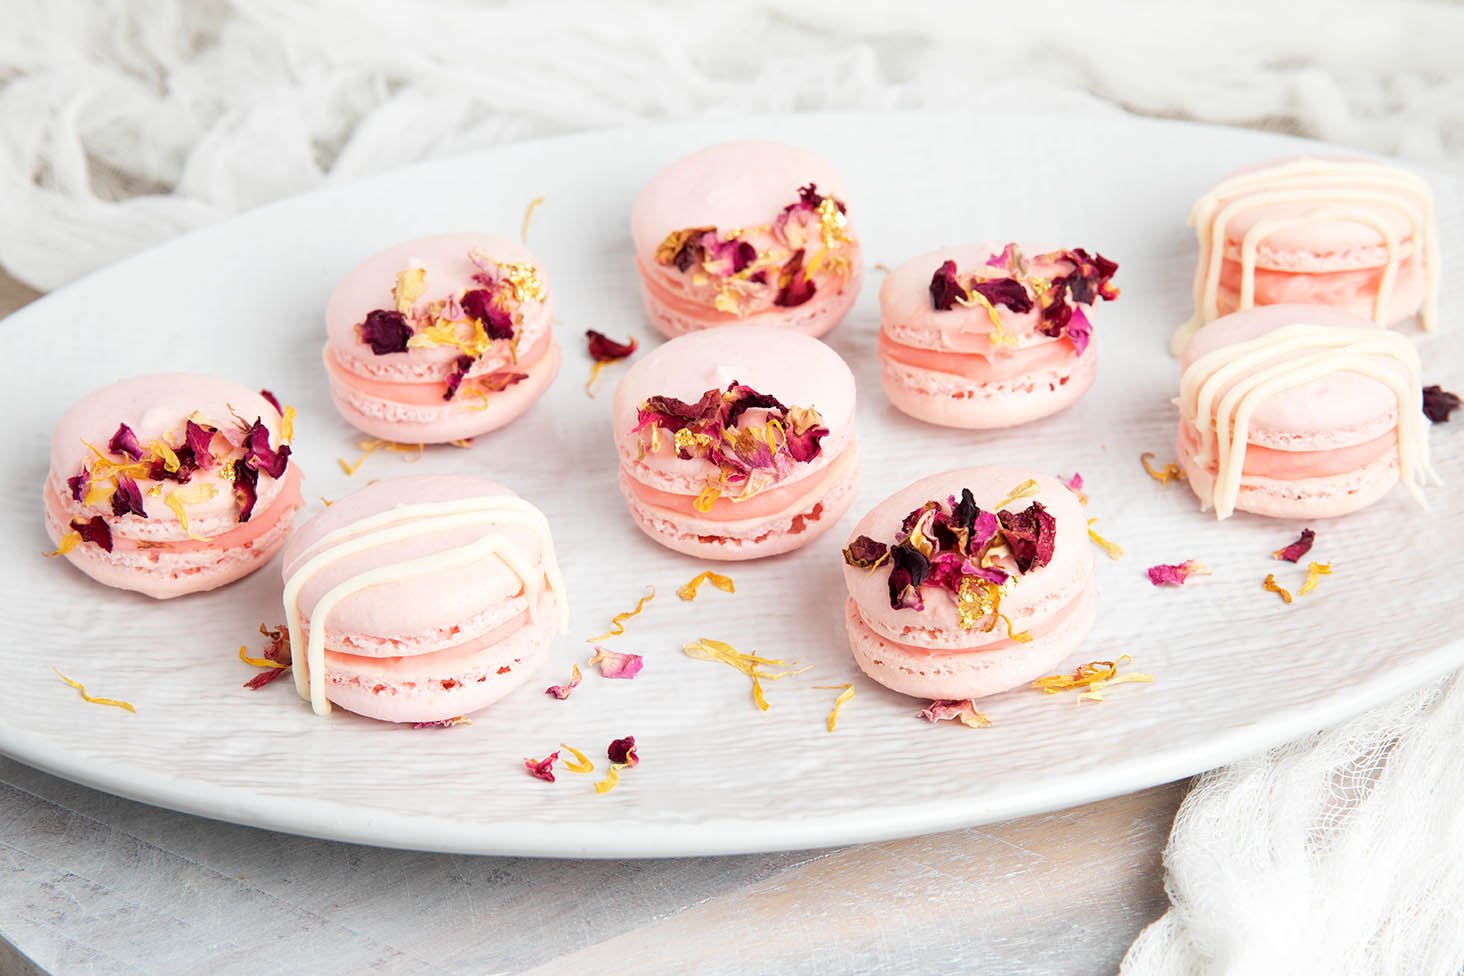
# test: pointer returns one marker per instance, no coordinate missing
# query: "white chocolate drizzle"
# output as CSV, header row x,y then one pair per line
x,y
1351,190
399,525
1220,391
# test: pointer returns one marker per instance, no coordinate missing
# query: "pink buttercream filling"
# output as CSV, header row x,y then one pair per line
x,y
768,502
449,660
1277,287
1267,462
426,394
976,366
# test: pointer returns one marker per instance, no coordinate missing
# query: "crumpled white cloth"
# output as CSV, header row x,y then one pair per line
x,y
127,122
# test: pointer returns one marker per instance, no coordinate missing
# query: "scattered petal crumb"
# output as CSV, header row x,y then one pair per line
x,y
327,502
706,649
542,768
1439,403
617,622
964,711
611,780
1162,475
1114,550
1074,484
723,583
1092,677
1314,573
616,665
562,691
1274,587
581,762
604,351
1299,548
275,658
463,442
622,752
81,689
1174,574
444,723
370,447
534,204
846,692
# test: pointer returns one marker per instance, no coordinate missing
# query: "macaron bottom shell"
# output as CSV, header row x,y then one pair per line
x,y
673,316
370,406
922,673
949,400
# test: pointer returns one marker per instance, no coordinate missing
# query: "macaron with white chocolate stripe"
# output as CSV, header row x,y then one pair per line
x,y
421,599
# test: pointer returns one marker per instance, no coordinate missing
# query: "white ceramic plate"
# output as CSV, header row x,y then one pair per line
x,y
1235,670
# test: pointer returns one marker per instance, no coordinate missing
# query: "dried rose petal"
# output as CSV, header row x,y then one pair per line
x,y
1031,535
1297,549
542,768
1174,574
127,498
263,678
1439,403
274,401
78,483
125,442
1091,277
385,331
561,692
259,455
865,553
615,665
246,489
443,723
604,349
945,290
1004,291
622,752
908,569
1079,331
497,321
1075,483
460,367
794,287
963,711
94,530
197,438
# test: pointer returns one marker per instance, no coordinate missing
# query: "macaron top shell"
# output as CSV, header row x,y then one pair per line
x,y
729,186
156,408
430,608
450,272
798,370
1344,407
1033,596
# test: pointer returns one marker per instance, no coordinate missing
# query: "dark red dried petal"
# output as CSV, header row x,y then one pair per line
x,y
385,331
908,569
805,445
1031,535
794,288
1091,277
125,442
246,489
259,455
274,401
497,321
78,483
945,290
460,367
1439,403
1056,310
263,678
197,438
741,398
542,768
1004,291
127,498
623,751
604,349
1297,549
865,552
94,530
809,196
672,414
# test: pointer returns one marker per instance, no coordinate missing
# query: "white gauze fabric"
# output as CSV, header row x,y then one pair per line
x,y
126,122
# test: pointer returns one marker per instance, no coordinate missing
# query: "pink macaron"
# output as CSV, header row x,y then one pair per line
x,y
1350,233
172,484
747,232
738,442
440,339
969,583
991,335
421,599
1300,411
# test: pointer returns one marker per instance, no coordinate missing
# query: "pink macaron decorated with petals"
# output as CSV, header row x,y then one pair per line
x,y
1300,411
421,599
969,583
990,335
1350,233
737,443
746,233
440,339
172,484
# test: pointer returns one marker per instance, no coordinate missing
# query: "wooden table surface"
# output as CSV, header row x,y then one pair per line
x,y
97,884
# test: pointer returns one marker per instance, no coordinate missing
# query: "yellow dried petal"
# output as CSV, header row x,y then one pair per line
x,y
1274,587
99,492
529,216
1095,691
192,494
688,590
170,459
368,448
411,283
706,649
1091,678
1314,573
287,424
581,762
846,693
81,689
595,368
1162,475
999,336
1114,550
1026,489
612,778
464,442
617,622
256,662
708,497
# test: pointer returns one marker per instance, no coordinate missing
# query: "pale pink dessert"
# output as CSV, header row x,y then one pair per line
x,y
1300,411
1350,233
969,583
991,335
738,442
421,599
747,232
172,484
440,339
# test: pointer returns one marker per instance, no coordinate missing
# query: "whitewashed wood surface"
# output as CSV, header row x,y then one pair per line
x,y
90,883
